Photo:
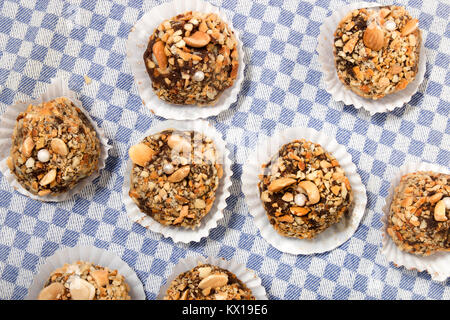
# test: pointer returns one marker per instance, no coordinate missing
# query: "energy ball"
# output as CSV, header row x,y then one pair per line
x,y
175,176
192,58
304,190
54,146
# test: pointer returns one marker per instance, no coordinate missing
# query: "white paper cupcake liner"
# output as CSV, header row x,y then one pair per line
x,y
137,44
336,88
438,264
247,276
57,88
88,254
179,234
327,240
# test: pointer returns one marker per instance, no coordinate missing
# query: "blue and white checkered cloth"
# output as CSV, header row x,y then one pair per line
x,y
282,88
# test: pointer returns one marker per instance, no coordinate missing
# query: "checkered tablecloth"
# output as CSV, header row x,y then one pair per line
x,y
282,88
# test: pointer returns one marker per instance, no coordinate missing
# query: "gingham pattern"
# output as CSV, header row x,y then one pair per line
x,y
282,88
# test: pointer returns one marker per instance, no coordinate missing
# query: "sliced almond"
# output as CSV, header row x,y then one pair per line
x,y
439,211
198,39
311,190
52,291
59,147
100,277
141,154
160,56
373,37
410,27
48,178
180,174
80,289
214,281
27,147
281,183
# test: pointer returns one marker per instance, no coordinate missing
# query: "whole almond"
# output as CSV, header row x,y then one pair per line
x,y
141,154
373,37
214,281
59,147
198,39
280,184
161,58
48,178
180,174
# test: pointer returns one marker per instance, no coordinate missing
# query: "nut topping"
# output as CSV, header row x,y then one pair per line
x,y
410,27
160,56
27,147
179,174
80,289
439,211
311,191
374,37
48,178
198,39
59,147
280,184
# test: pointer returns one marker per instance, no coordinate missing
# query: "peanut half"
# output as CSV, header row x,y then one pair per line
x,y
281,183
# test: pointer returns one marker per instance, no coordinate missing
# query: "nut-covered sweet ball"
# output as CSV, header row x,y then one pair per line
x,y
377,50
175,176
304,190
208,282
192,58
54,146
419,216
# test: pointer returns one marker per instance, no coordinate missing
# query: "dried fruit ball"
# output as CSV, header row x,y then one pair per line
x,y
192,58
54,146
377,50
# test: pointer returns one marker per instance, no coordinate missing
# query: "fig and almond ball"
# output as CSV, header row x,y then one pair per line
x,y
419,216
175,176
54,146
377,50
192,58
208,282
85,281
304,190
